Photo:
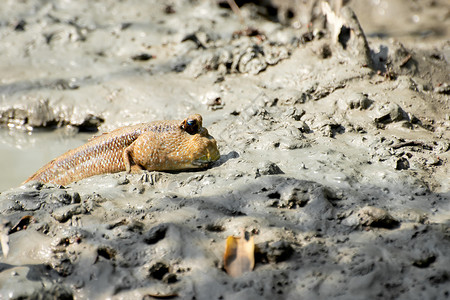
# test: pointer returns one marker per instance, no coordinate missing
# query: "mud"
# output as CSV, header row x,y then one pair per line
x,y
335,149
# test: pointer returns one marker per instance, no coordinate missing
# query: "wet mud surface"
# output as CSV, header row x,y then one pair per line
x,y
334,141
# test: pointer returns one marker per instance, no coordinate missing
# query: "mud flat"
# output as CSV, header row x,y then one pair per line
x,y
334,139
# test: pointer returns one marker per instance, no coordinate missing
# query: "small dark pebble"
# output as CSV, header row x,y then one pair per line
x,y
325,51
106,252
125,26
402,164
214,228
273,252
376,217
307,37
425,262
168,9
440,277
142,57
268,168
158,270
20,26
170,278
156,234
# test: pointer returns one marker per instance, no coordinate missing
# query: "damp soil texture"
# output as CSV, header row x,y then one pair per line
x,y
333,125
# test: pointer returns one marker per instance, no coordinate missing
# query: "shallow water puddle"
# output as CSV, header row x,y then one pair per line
x,y
23,153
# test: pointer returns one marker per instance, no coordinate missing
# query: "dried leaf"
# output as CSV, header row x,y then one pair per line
x,y
239,254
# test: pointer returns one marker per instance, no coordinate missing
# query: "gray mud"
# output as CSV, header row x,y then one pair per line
x,y
335,149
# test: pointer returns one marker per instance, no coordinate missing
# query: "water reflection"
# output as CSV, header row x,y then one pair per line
x,y
23,152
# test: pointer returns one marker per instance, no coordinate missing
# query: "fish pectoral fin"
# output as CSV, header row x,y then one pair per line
x,y
127,157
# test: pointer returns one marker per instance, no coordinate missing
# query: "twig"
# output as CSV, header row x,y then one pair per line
x,y
405,60
236,10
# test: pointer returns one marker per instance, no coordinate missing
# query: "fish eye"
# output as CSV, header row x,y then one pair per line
x,y
191,126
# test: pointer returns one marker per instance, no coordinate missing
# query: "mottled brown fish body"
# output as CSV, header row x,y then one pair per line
x,y
155,146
